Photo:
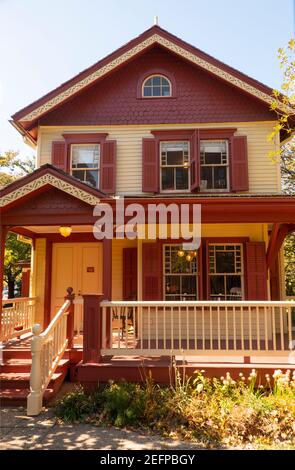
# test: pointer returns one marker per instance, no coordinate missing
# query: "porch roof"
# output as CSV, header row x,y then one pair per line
x,y
42,178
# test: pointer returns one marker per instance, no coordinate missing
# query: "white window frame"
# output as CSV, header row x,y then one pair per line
x,y
241,273
214,165
175,166
196,274
86,169
159,96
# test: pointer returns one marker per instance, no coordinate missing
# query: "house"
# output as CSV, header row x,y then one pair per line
x,y
156,122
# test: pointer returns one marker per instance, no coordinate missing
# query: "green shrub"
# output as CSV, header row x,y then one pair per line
x,y
77,405
124,403
215,411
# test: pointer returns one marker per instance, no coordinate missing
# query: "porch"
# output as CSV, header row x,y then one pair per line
x,y
134,339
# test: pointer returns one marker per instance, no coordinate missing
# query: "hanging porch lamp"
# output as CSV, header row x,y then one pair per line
x,y
65,230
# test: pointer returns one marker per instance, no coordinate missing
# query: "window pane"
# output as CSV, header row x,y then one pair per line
x,y
147,91
181,178
148,82
157,81
172,285
217,286
225,262
167,178
212,158
189,285
174,158
157,91
206,178
233,287
166,90
78,174
92,178
220,177
179,264
85,156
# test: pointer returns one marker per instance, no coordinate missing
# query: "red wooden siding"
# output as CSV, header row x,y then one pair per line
x,y
256,272
150,166
25,291
130,274
239,164
152,271
201,97
108,167
59,155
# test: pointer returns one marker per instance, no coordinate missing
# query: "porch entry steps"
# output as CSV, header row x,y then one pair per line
x,y
15,374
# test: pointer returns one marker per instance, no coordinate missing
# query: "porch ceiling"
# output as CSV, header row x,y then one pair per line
x,y
37,229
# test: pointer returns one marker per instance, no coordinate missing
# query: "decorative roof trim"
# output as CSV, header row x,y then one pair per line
x,y
53,181
155,38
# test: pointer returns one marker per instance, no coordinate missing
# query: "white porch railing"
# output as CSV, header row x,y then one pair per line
x,y
17,317
47,350
197,328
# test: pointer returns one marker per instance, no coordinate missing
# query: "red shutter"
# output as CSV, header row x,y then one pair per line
x,y
256,271
150,166
239,164
108,167
59,155
195,161
152,271
129,273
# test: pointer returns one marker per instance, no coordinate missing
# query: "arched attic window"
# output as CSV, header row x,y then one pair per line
x,y
156,86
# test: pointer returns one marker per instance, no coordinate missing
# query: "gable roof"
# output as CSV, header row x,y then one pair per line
x,y
49,175
25,118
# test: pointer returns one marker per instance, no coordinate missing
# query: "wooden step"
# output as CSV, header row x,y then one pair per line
x,y
24,365
19,380
14,353
14,390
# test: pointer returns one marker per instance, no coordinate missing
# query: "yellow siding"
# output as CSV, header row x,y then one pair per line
x,y
38,277
263,174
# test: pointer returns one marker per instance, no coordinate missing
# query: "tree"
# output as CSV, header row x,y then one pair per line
x,y
284,106
14,167
14,251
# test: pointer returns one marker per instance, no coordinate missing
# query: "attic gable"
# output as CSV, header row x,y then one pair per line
x,y
199,97
25,120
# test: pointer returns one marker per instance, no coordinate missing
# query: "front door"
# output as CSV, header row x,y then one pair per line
x,y
76,265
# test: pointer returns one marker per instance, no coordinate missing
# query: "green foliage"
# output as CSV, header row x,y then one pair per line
x,y
219,411
14,252
14,167
124,403
77,405
290,264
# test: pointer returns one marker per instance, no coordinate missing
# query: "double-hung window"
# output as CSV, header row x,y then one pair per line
x,y
225,271
85,163
180,273
214,165
175,171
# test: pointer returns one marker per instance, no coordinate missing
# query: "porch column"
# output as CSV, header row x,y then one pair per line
x,y
107,269
107,281
92,328
3,233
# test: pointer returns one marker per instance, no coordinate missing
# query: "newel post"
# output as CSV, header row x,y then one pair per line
x,y
34,401
92,328
71,317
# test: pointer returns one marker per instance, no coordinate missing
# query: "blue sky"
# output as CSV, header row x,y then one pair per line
x,y
45,42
